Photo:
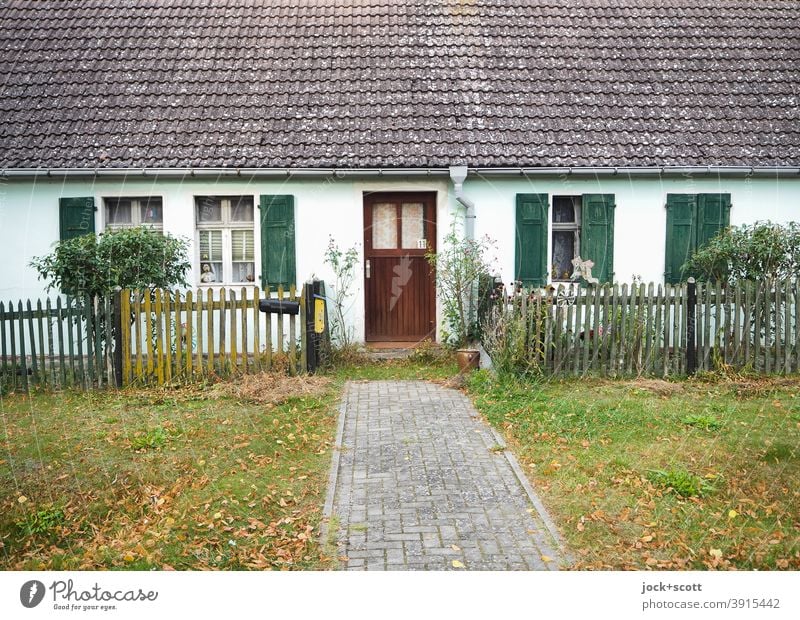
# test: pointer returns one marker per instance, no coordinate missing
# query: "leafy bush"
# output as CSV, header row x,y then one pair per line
x,y
749,252
127,258
459,266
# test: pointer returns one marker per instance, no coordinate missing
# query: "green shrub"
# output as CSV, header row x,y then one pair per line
x,y
428,352
150,439
460,265
127,258
42,522
753,252
706,422
680,482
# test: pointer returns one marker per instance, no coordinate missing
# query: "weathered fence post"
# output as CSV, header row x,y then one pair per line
x,y
118,338
691,303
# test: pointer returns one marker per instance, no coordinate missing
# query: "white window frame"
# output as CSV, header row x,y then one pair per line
x,y
226,225
574,226
136,213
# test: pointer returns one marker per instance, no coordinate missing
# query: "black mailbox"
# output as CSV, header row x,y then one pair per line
x,y
279,306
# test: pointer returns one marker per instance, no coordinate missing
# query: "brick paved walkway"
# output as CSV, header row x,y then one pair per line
x,y
421,481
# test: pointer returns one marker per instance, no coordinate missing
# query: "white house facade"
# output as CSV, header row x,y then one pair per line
x,y
626,135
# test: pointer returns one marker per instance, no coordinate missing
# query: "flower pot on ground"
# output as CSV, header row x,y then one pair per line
x,y
468,359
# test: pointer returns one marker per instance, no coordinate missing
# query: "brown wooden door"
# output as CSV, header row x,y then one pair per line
x,y
399,228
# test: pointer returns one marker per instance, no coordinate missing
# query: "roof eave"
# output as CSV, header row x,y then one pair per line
x,y
290,173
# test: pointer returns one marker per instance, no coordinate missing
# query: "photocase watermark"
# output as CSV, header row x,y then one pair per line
x,y
67,596
31,593
402,274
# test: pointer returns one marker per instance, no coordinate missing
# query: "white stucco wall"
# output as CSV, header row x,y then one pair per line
x,y
30,221
29,216
640,218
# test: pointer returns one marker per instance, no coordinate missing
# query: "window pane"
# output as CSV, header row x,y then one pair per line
x,y
412,227
152,210
210,272
563,253
563,209
243,272
242,245
242,209
210,245
209,209
384,226
118,211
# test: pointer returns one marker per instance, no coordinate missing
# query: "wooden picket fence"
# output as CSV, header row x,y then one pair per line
x,y
660,330
148,337
174,335
56,343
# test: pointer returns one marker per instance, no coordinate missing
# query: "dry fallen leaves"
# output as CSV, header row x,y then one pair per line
x,y
274,388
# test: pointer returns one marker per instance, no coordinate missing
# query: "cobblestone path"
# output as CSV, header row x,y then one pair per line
x,y
420,482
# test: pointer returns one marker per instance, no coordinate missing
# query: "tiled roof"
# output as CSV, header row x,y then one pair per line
x,y
383,83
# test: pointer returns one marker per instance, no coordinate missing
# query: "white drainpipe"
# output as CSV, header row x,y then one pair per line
x,y
458,175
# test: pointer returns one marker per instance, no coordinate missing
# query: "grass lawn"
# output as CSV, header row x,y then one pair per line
x,y
186,478
637,474
650,474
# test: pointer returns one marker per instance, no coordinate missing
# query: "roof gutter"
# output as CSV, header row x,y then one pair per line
x,y
291,173
659,171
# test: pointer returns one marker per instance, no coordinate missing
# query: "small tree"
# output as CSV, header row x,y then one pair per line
x,y
458,267
755,252
128,258
343,264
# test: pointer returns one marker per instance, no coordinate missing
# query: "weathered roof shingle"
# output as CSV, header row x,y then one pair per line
x,y
420,83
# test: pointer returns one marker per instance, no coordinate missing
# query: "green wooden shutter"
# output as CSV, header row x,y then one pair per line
x,y
597,234
681,234
531,239
277,241
75,217
713,214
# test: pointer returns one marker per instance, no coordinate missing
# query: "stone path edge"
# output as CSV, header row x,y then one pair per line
x,y
333,475
537,504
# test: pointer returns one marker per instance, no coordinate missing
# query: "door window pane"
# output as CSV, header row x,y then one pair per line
x,y
412,226
384,226
563,253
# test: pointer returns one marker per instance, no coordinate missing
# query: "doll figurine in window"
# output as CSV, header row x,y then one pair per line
x,y
208,273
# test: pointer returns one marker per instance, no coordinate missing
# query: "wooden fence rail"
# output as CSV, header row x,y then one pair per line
x,y
147,337
644,329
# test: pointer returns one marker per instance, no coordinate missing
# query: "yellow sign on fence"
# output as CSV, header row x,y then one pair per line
x,y
319,315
